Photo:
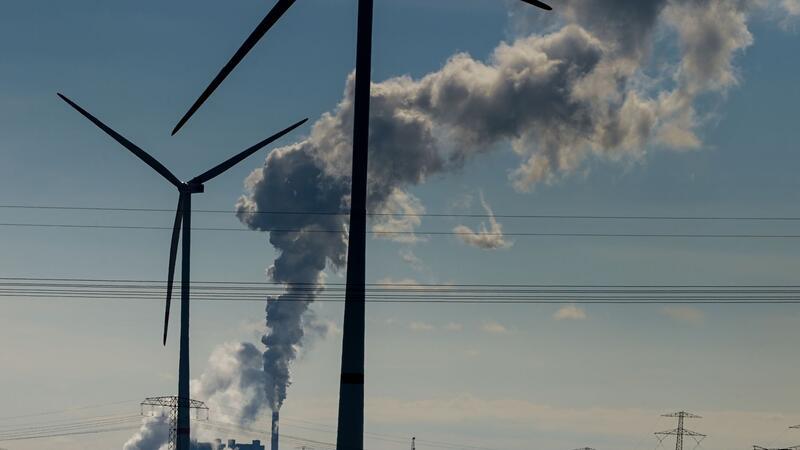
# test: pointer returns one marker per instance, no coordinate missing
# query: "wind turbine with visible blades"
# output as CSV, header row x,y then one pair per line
x,y
350,434
183,220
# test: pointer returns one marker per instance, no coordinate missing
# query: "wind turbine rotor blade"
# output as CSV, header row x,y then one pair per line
x,y
173,254
272,17
141,154
538,4
217,170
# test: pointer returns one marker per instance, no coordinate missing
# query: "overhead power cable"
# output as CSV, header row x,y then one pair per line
x,y
422,232
66,410
444,215
407,285
289,421
106,424
393,293
428,301
73,433
75,427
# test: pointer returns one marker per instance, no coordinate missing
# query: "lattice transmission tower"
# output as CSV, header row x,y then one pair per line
x,y
170,404
795,447
681,432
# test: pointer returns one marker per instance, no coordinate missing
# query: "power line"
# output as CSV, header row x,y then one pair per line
x,y
131,290
60,411
105,424
67,425
502,294
137,283
558,301
388,286
329,429
73,433
421,285
422,232
85,426
61,423
443,215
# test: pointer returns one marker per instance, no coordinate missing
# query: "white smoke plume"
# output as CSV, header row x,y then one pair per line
x,y
397,217
487,239
590,88
232,384
153,434
303,256
792,7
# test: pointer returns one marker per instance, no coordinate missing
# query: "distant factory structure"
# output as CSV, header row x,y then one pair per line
x,y
231,444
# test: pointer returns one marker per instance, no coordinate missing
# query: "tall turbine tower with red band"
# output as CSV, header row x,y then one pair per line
x,y
351,388
183,222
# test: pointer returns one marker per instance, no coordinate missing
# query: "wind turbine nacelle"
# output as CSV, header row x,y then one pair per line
x,y
195,188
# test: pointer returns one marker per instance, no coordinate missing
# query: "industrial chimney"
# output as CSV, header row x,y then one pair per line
x,y
274,430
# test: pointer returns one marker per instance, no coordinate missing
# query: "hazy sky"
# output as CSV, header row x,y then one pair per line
x,y
684,108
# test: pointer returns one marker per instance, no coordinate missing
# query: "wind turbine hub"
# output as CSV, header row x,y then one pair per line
x,y
195,188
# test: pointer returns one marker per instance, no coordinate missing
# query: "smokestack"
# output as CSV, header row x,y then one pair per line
x,y
274,445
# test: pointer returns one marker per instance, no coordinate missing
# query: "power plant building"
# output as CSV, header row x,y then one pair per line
x,y
231,444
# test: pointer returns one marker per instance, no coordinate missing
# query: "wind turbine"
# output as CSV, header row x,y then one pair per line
x,y
350,432
183,219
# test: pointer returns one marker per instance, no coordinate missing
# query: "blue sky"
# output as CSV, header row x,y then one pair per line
x,y
503,377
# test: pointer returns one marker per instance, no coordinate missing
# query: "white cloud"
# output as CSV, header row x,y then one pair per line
x,y
788,14
253,328
472,353
453,326
421,326
399,283
686,314
487,239
570,312
408,257
397,217
327,328
425,326
493,327
792,7
464,201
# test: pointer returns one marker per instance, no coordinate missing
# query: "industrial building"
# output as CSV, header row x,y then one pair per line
x,y
231,444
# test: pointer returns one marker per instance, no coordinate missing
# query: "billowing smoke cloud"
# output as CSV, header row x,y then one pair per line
x,y
487,239
153,434
588,89
304,254
232,384
792,7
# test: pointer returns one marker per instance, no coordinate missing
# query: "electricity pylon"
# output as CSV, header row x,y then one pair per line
x,y
758,447
680,432
170,403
